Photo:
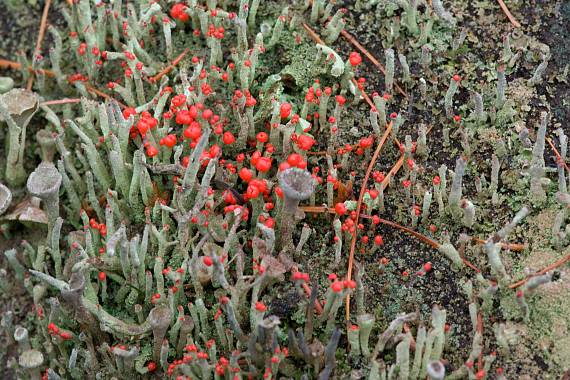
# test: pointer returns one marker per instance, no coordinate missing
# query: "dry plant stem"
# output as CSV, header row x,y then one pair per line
x,y
508,13
552,266
350,38
557,154
170,67
60,101
419,236
103,95
510,246
41,33
7,64
359,207
4,63
369,55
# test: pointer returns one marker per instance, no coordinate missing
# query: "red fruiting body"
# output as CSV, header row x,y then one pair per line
x,y
456,78
285,110
151,366
245,174
177,12
228,138
102,276
337,286
208,261
65,335
340,100
354,58
305,142
340,209
436,180
263,164
260,306
427,267
262,137
378,240
151,151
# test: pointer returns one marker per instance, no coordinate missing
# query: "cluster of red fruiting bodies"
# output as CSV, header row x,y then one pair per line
x,y
55,331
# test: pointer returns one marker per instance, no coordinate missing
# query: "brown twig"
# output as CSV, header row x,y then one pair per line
x,y
60,101
508,13
372,59
552,266
392,172
41,33
359,207
424,239
100,93
13,65
432,243
170,67
558,156
509,246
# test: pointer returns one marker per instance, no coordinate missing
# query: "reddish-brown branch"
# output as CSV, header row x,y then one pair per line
x,y
359,207
100,93
41,33
392,172
509,246
424,239
432,243
547,269
558,156
170,67
372,59
12,65
508,13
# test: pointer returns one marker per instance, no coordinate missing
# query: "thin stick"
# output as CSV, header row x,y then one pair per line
x,y
558,156
350,38
13,65
508,13
100,93
61,101
424,239
359,207
552,266
432,243
509,246
373,59
41,33
392,172
318,40
170,67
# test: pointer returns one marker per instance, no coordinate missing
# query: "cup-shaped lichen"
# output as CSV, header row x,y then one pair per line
x,y
297,185
17,107
31,360
5,198
435,370
46,139
44,183
21,336
159,319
